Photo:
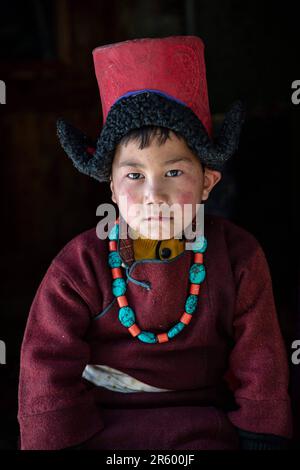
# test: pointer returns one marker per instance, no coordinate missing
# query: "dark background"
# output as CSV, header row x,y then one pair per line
x,y
252,52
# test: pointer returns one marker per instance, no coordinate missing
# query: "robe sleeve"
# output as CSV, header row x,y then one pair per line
x,y
258,364
56,406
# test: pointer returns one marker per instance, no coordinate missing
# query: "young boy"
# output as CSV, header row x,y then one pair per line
x,y
138,342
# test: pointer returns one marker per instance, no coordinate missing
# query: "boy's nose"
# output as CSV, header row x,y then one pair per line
x,y
156,195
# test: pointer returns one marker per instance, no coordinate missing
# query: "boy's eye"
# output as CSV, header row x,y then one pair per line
x,y
134,177
175,172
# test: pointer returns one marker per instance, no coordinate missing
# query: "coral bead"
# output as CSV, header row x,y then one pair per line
x,y
186,318
198,258
116,273
162,338
195,289
134,330
122,301
113,246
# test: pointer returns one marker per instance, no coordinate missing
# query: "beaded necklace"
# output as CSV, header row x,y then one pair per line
x,y
126,313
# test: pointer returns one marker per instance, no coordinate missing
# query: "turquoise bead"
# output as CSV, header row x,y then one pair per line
x,y
126,316
114,233
118,287
147,337
200,244
114,259
176,329
191,303
197,273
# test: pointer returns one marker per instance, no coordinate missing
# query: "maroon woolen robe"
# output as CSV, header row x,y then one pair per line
x,y
232,347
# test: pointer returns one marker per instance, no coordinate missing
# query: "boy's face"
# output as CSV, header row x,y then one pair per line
x,y
153,179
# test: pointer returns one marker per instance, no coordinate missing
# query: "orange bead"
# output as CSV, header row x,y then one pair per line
x,y
186,318
198,258
122,301
162,337
134,330
116,273
113,245
195,289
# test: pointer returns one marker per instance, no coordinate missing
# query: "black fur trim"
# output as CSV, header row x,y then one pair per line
x,y
76,144
150,109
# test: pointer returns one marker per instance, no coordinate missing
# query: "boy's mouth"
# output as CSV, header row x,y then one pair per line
x,y
160,218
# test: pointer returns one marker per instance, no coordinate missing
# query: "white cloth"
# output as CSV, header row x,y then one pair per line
x,y
113,379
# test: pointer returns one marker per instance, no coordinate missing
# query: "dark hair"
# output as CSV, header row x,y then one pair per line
x,y
145,134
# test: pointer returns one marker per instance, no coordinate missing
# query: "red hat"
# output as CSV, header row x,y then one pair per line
x,y
174,66
152,82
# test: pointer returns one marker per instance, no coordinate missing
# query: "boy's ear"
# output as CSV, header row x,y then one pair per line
x,y
211,178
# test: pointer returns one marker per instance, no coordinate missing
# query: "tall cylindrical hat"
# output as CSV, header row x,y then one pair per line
x,y
152,82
